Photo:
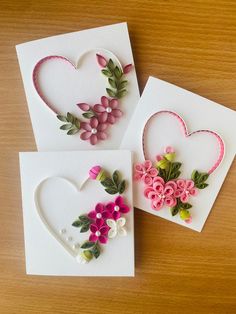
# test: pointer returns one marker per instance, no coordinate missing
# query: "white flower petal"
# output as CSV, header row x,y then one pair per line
x,y
111,223
112,233
121,222
122,232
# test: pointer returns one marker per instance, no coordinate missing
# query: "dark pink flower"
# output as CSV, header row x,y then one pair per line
x,y
98,232
99,213
94,131
115,209
185,189
107,110
101,60
161,193
127,68
145,172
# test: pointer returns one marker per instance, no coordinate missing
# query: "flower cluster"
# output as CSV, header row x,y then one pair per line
x,y
164,187
104,221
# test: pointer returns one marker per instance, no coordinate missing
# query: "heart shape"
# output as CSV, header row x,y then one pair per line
x,y
202,136
57,222
60,92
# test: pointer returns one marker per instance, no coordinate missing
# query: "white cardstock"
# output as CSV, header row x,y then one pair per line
x,y
53,196
195,152
64,86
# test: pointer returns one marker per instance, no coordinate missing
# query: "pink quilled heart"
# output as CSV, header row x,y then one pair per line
x,y
187,134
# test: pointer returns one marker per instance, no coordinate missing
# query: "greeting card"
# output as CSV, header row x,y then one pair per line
x,y
183,147
81,88
78,213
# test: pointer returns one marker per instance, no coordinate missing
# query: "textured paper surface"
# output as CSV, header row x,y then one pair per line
x,y
66,87
44,255
197,152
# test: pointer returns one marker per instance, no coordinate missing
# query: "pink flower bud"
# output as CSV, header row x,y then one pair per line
x,y
159,157
189,220
127,68
169,150
94,172
83,106
101,60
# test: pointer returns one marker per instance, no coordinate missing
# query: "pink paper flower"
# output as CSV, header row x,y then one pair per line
x,y
127,68
185,189
99,232
101,60
99,214
145,172
94,131
161,193
107,110
115,209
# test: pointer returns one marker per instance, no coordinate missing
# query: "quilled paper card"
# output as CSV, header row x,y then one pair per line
x,y
183,147
78,213
81,88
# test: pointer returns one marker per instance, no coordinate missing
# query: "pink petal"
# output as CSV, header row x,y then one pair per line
x,y
157,204
184,198
139,167
193,192
94,122
147,164
99,222
117,113
101,135
103,117
102,127
93,228
111,119
159,157
99,208
170,201
159,179
138,176
116,215
85,126
104,230
169,150
189,184
119,201
101,60
106,215
110,207
98,108
102,239
127,68
168,190
153,172
83,106
93,237
181,183
147,180
178,193
105,101
85,135
113,103
124,209
172,184
92,214
188,220
93,139
152,196
147,191
158,187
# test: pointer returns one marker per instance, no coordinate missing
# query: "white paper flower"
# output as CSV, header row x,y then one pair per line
x,y
117,227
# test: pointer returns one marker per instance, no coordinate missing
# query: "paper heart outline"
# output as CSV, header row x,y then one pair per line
x,y
44,220
187,134
74,65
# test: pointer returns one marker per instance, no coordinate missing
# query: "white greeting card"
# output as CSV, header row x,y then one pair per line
x,y
183,147
81,88
78,213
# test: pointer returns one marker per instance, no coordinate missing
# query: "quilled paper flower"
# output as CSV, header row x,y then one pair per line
x,y
94,131
116,227
97,173
99,232
99,213
117,208
145,172
185,189
108,110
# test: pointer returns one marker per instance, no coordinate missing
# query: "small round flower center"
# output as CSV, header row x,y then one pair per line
x,y
98,233
94,131
116,208
161,196
99,215
108,109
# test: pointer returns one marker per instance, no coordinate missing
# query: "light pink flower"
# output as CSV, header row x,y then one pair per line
x,y
169,150
101,60
185,189
117,208
161,193
145,172
107,110
94,131
127,68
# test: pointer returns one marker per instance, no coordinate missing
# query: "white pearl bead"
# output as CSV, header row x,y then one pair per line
x,y
94,131
76,246
98,233
63,231
116,208
69,239
108,109
99,215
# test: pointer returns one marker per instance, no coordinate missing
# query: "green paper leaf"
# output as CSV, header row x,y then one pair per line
x,y
111,65
77,123
72,131
110,92
112,83
174,175
70,117
121,93
185,205
66,126
162,173
88,115
87,245
175,166
201,185
61,118
84,218
203,177
174,210
117,72
107,182
111,191
95,251
77,223
115,177
85,228
107,73
195,175
122,187
122,85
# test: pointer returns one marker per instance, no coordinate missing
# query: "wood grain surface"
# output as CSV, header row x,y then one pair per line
x,y
189,43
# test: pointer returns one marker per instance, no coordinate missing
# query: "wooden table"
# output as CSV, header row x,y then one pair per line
x,y
189,43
